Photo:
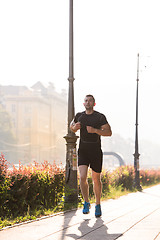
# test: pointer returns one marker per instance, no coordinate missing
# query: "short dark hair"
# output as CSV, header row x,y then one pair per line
x,y
89,95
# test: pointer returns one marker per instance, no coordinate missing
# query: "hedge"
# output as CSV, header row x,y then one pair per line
x,y
41,186
29,188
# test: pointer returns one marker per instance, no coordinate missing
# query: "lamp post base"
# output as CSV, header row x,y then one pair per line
x,y
136,182
137,186
71,185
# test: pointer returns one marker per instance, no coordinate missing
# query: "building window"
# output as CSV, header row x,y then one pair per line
x,y
13,107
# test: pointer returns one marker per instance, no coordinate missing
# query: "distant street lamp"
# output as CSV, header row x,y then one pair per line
x,y
71,187
136,154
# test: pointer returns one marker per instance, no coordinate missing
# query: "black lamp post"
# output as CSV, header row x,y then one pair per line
x,y
71,187
136,154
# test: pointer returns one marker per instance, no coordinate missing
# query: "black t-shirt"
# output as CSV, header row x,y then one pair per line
x,y
95,120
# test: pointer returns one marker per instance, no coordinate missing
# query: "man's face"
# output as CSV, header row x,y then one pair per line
x,y
89,103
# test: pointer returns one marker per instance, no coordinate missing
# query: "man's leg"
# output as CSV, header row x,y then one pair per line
x,y
83,171
97,184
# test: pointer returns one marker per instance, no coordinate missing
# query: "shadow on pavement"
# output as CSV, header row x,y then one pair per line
x,y
97,231
66,224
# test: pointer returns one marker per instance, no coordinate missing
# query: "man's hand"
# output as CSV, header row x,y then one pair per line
x,y
91,129
75,126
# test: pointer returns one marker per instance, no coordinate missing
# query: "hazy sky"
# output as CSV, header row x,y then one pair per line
x,y
108,35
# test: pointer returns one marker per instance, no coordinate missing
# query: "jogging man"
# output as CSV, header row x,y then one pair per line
x,y
92,125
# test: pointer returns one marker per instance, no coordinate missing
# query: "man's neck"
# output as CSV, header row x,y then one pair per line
x,y
89,111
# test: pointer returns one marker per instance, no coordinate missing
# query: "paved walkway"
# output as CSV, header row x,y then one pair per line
x,y
135,216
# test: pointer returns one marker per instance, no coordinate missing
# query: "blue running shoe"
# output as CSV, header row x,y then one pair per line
x,y
98,211
86,207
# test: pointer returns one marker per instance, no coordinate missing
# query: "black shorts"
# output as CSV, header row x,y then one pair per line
x,y
92,156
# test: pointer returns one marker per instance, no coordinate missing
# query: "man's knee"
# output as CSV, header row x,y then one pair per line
x,y
96,177
83,170
97,181
83,178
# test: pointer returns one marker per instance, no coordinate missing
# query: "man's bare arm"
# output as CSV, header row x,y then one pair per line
x,y
75,126
105,130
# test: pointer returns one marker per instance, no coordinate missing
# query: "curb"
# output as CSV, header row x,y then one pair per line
x,y
37,219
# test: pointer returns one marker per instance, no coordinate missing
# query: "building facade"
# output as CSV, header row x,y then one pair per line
x,y
38,118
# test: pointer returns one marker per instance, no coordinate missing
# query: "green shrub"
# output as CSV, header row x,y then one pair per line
x,y
26,189
4,185
148,177
123,176
17,194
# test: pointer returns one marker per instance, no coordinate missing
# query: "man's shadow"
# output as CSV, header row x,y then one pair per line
x,y
89,232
